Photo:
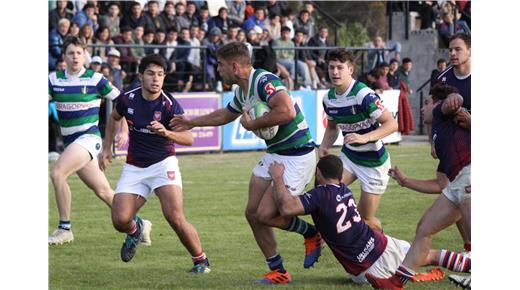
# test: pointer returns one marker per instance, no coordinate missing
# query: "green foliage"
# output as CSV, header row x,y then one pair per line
x,y
215,195
353,35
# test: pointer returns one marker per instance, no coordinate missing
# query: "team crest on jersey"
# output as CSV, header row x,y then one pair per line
x,y
84,90
171,175
269,88
131,96
157,116
130,111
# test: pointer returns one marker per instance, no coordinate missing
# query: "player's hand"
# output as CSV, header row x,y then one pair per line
x,y
322,151
121,139
158,128
179,123
397,175
453,102
246,121
276,170
355,138
104,158
463,119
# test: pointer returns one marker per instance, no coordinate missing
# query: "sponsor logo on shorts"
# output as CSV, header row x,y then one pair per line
x,y
260,163
157,116
98,146
171,175
375,182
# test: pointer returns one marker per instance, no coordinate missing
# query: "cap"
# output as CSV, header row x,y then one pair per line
x,y
114,52
97,59
215,31
394,60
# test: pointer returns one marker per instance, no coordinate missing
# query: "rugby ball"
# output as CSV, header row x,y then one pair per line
x,y
257,111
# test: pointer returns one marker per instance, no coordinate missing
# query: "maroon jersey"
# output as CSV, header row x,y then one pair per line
x,y
352,241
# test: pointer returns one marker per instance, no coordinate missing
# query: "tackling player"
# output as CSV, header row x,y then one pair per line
x,y
356,246
77,93
151,164
357,112
292,146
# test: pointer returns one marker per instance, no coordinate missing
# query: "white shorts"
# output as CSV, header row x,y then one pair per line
x,y
92,143
142,181
388,262
456,189
299,170
373,179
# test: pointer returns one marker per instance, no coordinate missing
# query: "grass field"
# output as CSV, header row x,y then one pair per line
x,y
215,195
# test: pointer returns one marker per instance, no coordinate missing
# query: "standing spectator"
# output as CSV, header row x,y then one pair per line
x,y
204,19
137,38
273,26
118,74
306,57
445,29
275,6
153,16
393,75
404,73
441,66
428,13
237,11
111,19
58,13
213,42
136,18
56,37
309,6
86,16
319,56
221,20
87,36
304,22
102,37
168,16
258,19
74,29
378,55
128,60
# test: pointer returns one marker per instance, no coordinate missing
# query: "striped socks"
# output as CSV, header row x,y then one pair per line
x,y
199,259
64,225
405,274
302,227
275,263
454,261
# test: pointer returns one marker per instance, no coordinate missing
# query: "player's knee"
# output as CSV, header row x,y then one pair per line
x,y
176,220
121,221
422,229
251,215
57,175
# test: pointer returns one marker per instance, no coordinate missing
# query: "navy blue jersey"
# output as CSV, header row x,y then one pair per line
x,y
334,212
145,147
452,143
448,77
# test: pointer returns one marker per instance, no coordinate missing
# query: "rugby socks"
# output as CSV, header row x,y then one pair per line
x,y
275,263
302,227
135,229
405,274
64,225
454,261
200,259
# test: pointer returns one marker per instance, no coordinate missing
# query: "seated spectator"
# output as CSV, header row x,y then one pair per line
x,y
441,66
168,16
127,59
309,6
305,62
180,16
241,36
378,55
87,35
73,30
236,11
153,16
160,39
111,19
102,37
286,20
169,52
136,18
58,13
95,63
213,42
86,16
201,36
191,13
118,74
137,38
428,13
148,38
382,79
194,58
278,7
184,70
273,26
56,37
445,28
285,57
404,73
221,20
304,22
204,19
258,19
393,76
265,37
319,56
232,33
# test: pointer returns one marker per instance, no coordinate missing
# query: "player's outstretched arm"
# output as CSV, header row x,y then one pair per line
x,y
181,137
287,204
420,185
110,130
331,134
216,118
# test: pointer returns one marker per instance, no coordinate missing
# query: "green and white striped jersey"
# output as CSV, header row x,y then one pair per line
x,y
77,101
262,86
